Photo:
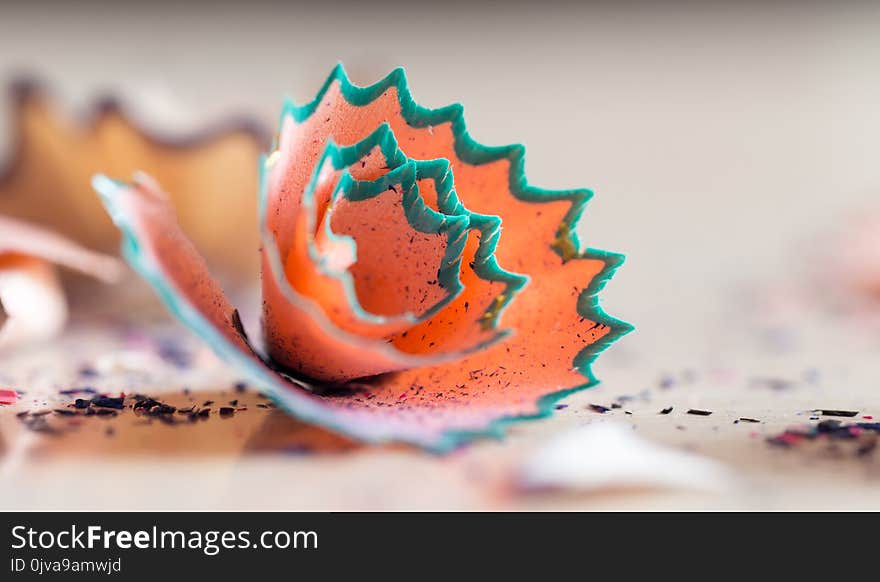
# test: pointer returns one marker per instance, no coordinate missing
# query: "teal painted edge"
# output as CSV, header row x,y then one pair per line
x,y
587,300
440,171
472,152
276,271
342,157
299,404
422,218
179,306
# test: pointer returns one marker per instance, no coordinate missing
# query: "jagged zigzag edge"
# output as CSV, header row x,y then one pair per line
x,y
567,246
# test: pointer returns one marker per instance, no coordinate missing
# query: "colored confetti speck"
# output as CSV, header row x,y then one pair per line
x,y
863,433
844,413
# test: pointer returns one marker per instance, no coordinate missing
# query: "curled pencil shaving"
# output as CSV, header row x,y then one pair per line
x,y
390,291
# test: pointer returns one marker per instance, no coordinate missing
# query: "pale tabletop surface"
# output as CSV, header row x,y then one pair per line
x,y
722,148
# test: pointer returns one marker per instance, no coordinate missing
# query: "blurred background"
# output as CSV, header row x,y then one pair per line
x,y
727,145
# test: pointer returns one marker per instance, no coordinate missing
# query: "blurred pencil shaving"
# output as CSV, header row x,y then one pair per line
x,y
34,307
607,456
852,268
46,178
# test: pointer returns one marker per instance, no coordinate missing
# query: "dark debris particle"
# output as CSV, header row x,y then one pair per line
x,y
616,405
746,419
161,410
106,412
698,412
828,426
204,413
81,403
233,403
144,402
107,402
598,408
240,387
665,410
561,406
82,390
226,411
235,319
207,403
844,413
64,412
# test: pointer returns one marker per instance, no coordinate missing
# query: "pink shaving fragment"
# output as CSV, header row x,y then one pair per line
x,y
8,396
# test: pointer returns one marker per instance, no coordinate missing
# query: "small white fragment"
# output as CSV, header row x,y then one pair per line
x,y
34,306
32,303
606,455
